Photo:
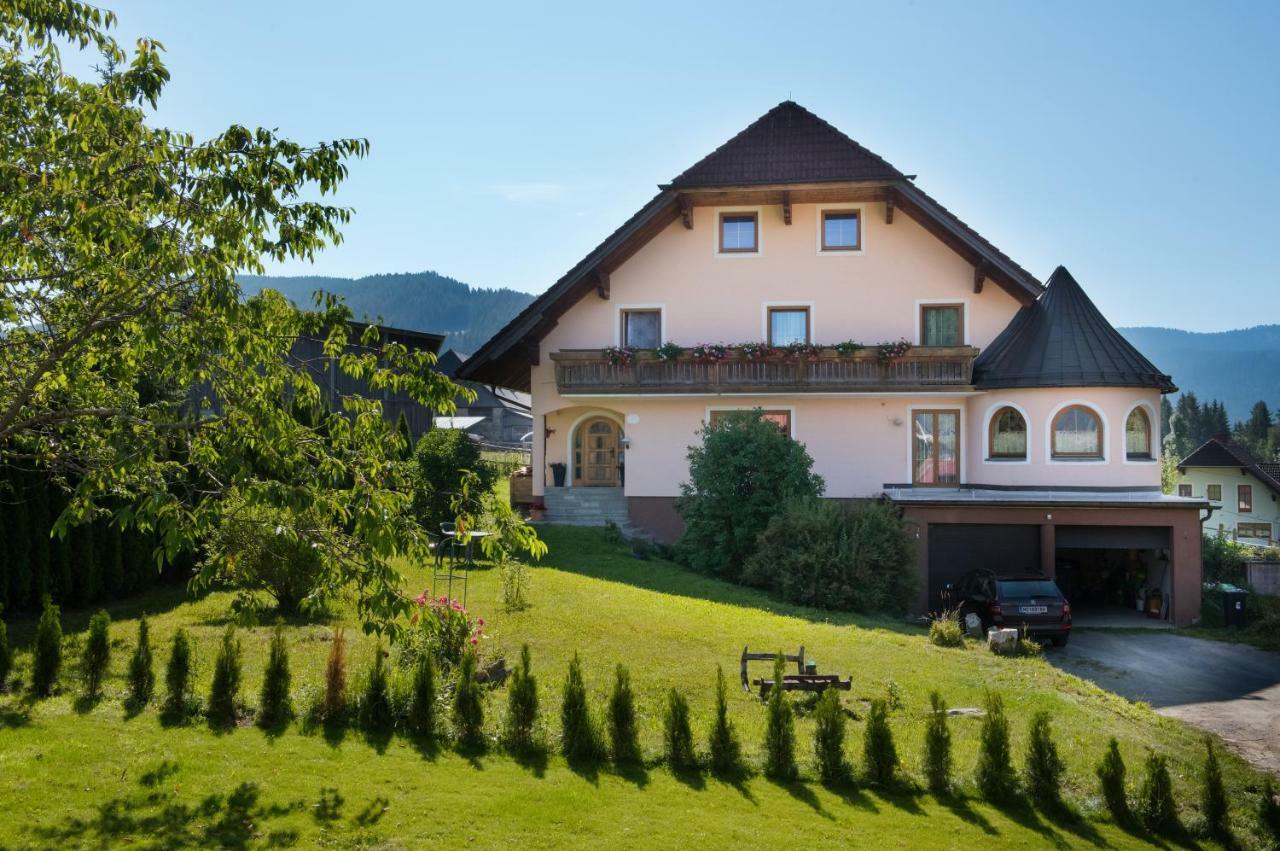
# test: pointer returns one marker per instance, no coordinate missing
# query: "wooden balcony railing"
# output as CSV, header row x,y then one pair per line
x,y
926,369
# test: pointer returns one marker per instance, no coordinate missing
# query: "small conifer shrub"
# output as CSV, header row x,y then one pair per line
x,y
624,734
1156,805
333,704
224,691
375,714
577,733
6,656
1268,814
1111,772
937,745
1213,794
677,736
522,704
724,748
1044,768
142,673
177,675
828,738
780,729
995,778
422,697
879,755
274,706
46,655
468,703
95,659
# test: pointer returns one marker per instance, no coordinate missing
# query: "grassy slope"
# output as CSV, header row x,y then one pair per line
x,y
88,775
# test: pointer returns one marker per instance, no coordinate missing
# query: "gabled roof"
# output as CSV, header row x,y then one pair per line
x,y
1063,340
788,144
1224,452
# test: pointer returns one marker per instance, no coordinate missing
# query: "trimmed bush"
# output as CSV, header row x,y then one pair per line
x,y
274,706
780,729
995,778
946,631
725,749
828,738
1213,794
577,733
1044,768
468,703
46,654
1111,773
375,714
224,691
522,704
834,556
937,745
142,673
177,675
624,734
333,704
422,698
879,755
1268,813
742,473
96,656
1156,806
677,736
441,456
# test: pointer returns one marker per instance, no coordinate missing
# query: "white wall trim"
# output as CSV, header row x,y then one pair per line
x,y
764,318
986,435
911,438
790,409
715,233
862,229
573,429
921,302
1153,423
1107,434
617,320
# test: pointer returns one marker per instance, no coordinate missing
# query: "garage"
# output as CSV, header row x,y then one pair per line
x,y
1118,575
957,548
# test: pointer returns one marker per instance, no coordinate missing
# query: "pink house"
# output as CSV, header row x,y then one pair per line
x,y
794,271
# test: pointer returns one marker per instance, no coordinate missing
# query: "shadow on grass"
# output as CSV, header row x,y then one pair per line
x,y
14,716
960,807
851,794
233,820
803,793
85,703
584,551
377,739
533,759
691,777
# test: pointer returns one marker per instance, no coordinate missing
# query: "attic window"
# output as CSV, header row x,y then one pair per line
x,y
840,230
739,233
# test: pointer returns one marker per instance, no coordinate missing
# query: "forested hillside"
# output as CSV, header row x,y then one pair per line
x,y
420,301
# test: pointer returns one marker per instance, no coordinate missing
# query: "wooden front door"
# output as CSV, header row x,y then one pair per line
x,y
599,439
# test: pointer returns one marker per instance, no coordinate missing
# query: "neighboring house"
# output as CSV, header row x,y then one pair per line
x,y
1016,428
309,353
1244,492
498,415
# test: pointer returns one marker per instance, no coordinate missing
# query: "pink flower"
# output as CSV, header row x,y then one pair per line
x,y
473,642
479,621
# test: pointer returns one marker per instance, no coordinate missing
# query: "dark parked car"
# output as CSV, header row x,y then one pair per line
x,y
1015,601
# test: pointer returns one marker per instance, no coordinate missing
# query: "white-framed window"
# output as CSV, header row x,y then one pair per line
x,y
639,326
941,322
783,415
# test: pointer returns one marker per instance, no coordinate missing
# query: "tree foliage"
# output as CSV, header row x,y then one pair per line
x,y
133,371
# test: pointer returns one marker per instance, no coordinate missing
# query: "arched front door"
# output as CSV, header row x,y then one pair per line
x,y
596,449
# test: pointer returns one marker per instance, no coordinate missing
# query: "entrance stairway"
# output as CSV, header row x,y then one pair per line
x,y
586,506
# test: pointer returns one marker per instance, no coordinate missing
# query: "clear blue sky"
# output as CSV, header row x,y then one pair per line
x,y
1135,143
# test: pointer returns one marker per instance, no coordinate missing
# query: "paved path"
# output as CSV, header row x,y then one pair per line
x,y
1228,689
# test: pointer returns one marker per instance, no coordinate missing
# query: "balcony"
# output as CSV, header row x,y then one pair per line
x,y
591,372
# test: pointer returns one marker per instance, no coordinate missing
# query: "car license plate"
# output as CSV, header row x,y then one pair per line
x,y
1033,610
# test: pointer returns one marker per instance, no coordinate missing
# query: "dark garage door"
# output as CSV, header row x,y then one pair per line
x,y
957,548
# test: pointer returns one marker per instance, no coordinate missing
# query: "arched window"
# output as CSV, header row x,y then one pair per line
x,y
1008,437
1137,435
1077,433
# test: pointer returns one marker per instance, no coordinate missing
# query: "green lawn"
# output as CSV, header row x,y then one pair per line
x,y
93,776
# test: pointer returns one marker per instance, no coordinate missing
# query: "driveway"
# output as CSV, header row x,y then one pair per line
x,y
1228,689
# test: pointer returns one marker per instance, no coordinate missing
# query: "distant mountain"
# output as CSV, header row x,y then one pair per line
x,y
417,301
1238,367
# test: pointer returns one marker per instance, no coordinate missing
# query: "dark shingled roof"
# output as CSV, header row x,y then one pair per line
x,y
1063,340
1224,452
788,144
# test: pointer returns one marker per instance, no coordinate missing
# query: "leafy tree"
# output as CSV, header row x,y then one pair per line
x,y
47,652
741,474
725,749
177,675
406,436
1166,415
780,729
274,706
1044,768
96,656
17,544
443,457
677,735
937,745
1111,773
133,370
142,674
224,691
624,734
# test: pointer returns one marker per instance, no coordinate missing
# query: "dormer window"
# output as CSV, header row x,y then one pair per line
x,y
841,230
739,233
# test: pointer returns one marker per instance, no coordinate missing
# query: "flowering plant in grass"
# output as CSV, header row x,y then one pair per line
x,y
443,628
